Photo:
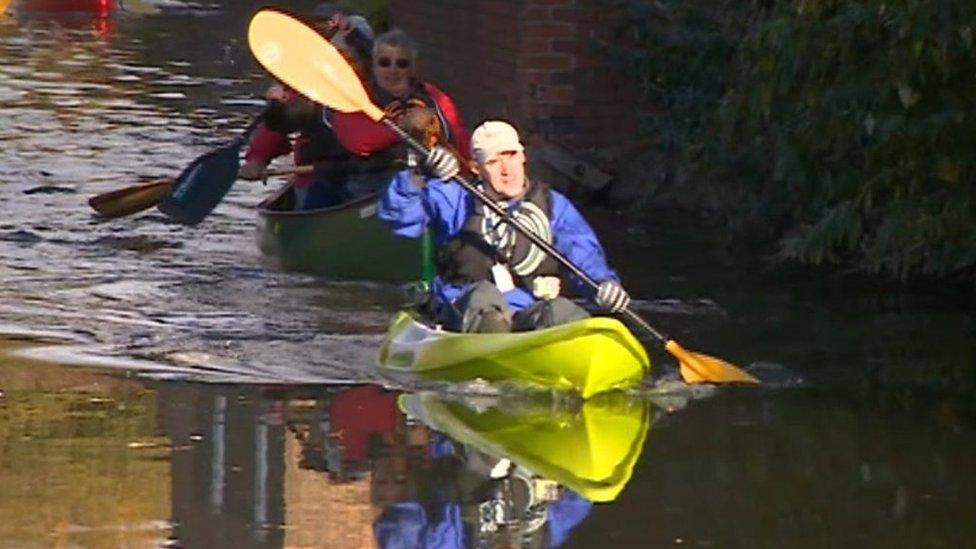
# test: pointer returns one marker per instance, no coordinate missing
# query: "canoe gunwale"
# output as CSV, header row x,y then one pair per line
x,y
267,208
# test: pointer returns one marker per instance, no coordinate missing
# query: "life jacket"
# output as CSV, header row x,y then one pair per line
x,y
485,240
363,137
450,119
420,96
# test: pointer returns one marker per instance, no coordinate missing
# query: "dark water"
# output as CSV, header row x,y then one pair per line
x,y
207,422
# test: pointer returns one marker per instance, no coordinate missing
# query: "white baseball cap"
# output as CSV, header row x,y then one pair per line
x,y
494,137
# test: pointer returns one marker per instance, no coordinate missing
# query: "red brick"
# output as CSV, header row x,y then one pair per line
x,y
548,29
562,95
567,46
536,13
550,2
556,62
528,61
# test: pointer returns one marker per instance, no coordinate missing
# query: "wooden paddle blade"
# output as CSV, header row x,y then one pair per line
x,y
132,199
699,368
304,60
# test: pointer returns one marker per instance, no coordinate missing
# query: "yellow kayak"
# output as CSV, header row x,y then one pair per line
x,y
588,356
591,450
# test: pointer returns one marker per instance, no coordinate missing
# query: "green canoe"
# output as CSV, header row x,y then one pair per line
x,y
588,356
591,450
345,242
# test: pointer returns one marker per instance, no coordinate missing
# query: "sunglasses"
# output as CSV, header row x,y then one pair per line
x,y
401,63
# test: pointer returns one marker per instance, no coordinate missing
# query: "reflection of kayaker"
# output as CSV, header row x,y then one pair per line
x,y
355,426
486,502
590,448
514,473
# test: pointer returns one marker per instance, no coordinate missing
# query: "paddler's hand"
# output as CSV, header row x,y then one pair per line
x,y
441,163
545,287
611,297
252,170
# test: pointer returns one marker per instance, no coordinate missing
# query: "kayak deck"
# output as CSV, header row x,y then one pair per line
x,y
589,356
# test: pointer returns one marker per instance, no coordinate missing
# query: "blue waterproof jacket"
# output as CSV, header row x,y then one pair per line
x,y
444,207
438,524
414,525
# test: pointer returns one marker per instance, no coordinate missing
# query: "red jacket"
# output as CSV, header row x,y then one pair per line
x,y
363,137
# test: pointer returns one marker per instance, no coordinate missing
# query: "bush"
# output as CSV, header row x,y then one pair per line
x,y
853,121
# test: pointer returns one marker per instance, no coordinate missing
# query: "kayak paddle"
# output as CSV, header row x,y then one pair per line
x,y
205,182
304,60
134,199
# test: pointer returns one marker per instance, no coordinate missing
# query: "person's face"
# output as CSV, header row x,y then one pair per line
x,y
505,172
393,69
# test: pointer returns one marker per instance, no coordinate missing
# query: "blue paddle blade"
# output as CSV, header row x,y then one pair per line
x,y
205,182
202,185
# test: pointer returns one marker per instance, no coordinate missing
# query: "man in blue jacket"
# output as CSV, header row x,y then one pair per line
x,y
490,277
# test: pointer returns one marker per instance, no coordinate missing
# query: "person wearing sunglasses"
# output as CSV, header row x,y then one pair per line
x,y
394,84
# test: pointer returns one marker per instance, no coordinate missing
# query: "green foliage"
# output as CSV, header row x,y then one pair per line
x,y
678,52
854,121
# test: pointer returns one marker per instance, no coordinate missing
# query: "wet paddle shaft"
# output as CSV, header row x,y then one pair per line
x,y
304,60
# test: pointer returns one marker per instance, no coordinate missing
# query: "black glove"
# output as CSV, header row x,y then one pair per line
x,y
612,297
441,163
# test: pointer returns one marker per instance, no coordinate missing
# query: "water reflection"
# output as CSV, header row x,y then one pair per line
x,y
515,474
81,461
344,467
115,462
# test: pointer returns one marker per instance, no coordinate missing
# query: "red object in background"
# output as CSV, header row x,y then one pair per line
x,y
360,413
63,6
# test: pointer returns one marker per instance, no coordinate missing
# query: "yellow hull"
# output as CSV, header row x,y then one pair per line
x,y
589,356
591,450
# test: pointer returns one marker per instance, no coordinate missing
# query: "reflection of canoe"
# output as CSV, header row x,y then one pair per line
x,y
589,356
591,450
345,242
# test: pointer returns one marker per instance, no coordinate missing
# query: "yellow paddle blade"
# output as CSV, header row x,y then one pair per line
x,y
304,60
3,5
699,368
132,199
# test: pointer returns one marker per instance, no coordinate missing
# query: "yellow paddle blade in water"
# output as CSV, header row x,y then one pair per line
x,y
301,58
699,368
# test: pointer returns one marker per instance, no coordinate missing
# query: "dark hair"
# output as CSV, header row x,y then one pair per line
x,y
325,10
397,38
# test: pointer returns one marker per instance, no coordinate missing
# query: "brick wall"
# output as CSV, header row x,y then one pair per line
x,y
322,513
528,61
